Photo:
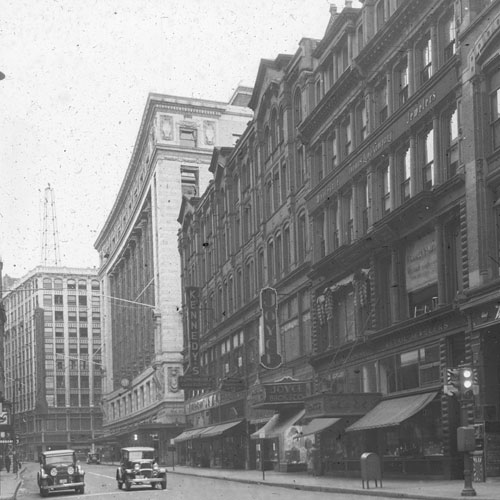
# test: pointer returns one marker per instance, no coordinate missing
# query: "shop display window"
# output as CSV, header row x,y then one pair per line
x,y
419,436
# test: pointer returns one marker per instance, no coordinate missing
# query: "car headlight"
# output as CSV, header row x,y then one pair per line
x,y
137,467
155,467
71,470
53,472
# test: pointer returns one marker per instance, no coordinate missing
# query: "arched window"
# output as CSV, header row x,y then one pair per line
x,y
71,284
82,285
297,107
47,283
58,283
95,285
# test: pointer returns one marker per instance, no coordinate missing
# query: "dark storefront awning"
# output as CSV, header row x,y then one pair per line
x,y
318,425
277,424
189,434
218,430
205,432
392,412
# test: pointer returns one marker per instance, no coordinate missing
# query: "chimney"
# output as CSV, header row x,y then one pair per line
x,y
333,9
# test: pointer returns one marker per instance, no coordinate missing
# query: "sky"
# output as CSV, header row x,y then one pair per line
x,y
77,76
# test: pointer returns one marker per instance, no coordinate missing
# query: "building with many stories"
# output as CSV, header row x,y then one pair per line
x,y
140,268
344,260
52,361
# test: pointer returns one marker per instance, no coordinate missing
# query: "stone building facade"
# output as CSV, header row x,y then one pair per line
x,y
139,265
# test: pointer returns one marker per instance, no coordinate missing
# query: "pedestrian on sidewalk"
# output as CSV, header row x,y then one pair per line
x,y
7,463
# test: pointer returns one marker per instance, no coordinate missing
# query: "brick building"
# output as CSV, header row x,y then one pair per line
x,y
52,359
364,194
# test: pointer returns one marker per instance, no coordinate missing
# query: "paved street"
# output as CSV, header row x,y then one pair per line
x,y
100,483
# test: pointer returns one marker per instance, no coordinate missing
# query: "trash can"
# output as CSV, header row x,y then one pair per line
x,y
370,469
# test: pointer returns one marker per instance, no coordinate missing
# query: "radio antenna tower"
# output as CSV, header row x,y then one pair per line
x,y
50,234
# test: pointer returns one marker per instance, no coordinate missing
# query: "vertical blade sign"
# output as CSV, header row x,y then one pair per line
x,y
193,328
269,334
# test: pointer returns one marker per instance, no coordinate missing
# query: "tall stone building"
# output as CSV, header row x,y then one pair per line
x,y
362,202
52,360
140,269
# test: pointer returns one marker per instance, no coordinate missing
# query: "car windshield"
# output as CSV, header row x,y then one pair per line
x,y
57,459
140,455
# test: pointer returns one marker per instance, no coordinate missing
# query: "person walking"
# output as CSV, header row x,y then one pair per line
x,y
7,463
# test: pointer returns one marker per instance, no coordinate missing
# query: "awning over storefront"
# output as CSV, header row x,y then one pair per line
x,y
318,425
392,412
277,424
189,434
218,430
205,432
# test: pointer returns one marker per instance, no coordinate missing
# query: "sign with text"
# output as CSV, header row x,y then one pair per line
x,y
196,382
421,263
4,419
269,341
193,328
287,391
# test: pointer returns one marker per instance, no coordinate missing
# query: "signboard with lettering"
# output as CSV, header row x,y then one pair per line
x,y
4,419
196,382
284,392
421,263
269,341
193,328
340,405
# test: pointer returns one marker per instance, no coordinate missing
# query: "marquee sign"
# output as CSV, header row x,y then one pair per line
x,y
193,328
286,391
269,341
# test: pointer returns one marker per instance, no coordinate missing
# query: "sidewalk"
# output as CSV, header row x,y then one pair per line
x,y
392,488
10,484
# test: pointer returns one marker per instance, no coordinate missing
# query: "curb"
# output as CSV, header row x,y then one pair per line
x,y
325,489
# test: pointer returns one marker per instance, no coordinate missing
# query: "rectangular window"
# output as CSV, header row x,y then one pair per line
x,y
495,109
452,153
428,167
405,169
189,181
82,300
58,300
402,73
381,101
346,137
386,189
426,52
47,300
187,137
71,300
450,39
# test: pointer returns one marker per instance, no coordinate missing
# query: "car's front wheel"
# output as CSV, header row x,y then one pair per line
x,y
164,484
80,490
44,493
128,484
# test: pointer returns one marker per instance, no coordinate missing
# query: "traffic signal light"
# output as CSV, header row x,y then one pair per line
x,y
452,385
466,382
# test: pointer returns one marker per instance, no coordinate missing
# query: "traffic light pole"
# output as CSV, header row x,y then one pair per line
x,y
465,391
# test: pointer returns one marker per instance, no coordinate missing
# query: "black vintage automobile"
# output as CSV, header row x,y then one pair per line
x,y
94,458
138,466
60,470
